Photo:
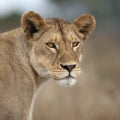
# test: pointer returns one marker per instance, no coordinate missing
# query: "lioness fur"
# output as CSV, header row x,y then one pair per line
x,y
40,49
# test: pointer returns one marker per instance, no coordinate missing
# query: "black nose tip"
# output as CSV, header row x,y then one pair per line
x,y
69,68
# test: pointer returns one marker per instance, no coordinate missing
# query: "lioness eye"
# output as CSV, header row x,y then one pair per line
x,y
75,44
51,45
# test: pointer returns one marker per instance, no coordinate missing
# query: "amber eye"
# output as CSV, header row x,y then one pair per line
x,y
75,44
51,45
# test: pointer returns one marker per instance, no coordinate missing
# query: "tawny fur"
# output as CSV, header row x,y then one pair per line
x,y
26,61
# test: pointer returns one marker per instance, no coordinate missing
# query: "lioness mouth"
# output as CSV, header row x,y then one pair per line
x,y
68,77
67,81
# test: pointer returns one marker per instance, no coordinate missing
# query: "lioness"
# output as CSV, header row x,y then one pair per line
x,y
39,50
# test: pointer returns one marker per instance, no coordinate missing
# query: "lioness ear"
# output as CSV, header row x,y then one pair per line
x,y
85,25
31,23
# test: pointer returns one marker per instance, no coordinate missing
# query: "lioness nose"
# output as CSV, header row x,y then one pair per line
x,y
69,68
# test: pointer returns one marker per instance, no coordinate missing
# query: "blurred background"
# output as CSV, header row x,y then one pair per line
x,y
96,96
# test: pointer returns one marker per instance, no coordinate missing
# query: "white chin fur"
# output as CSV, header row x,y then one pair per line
x,y
66,82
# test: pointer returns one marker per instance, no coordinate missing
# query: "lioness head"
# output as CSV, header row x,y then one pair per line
x,y
56,45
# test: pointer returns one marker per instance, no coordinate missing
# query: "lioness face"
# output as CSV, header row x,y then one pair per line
x,y
59,52
56,45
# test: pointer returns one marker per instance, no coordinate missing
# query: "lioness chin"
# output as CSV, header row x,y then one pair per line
x,y
40,49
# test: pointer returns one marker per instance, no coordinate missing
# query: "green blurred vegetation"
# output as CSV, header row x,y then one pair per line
x,y
104,7
9,22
